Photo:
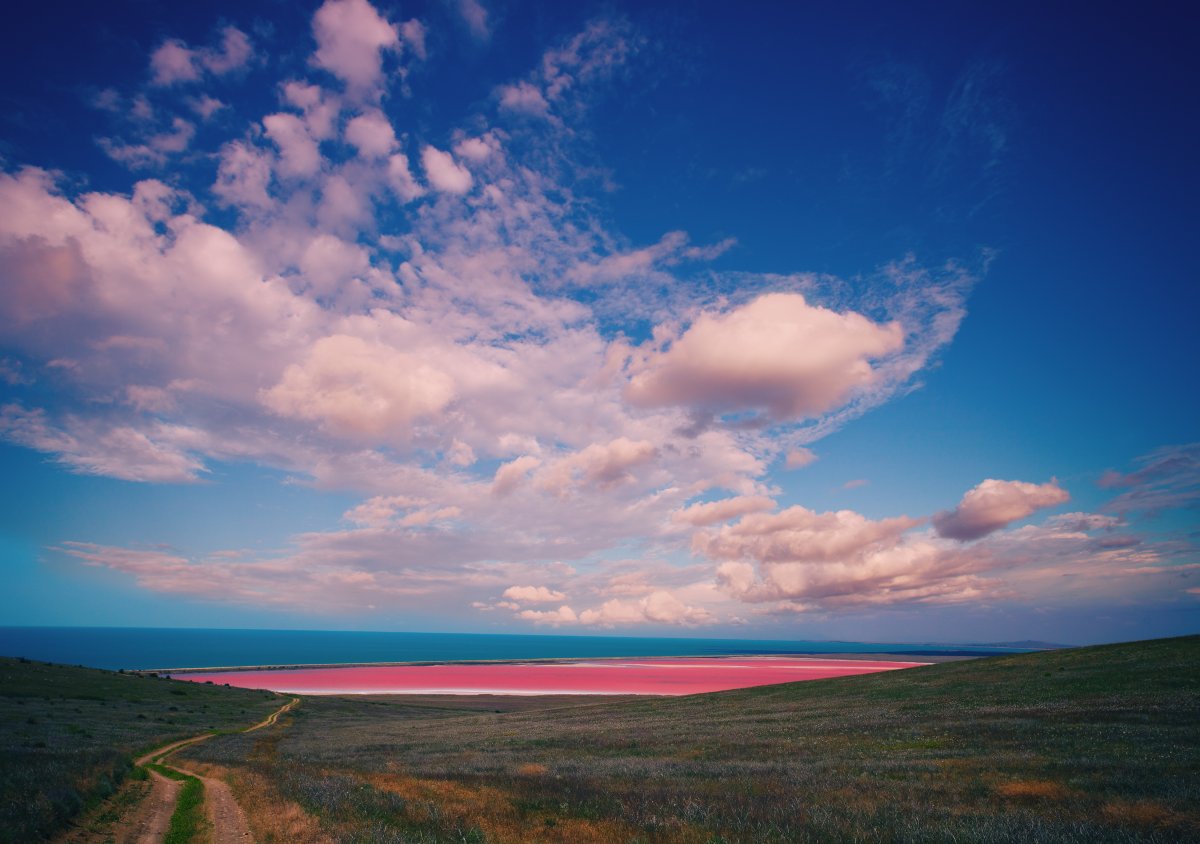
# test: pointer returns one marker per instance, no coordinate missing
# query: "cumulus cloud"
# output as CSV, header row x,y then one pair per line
x,y
175,62
994,504
475,15
328,260
777,354
478,150
243,176
711,512
797,534
600,464
562,615
533,594
443,172
206,106
371,134
659,607
400,179
524,98
800,457
351,35
320,107
510,474
155,149
299,154
359,388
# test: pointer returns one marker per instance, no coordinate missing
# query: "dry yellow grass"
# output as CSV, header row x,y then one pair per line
x,y
273,819
1034,790
495,813
1148,814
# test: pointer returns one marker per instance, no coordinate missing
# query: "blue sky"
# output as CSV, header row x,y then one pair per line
x,y
861,321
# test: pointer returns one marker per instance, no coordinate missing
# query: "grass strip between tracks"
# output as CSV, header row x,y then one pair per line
x,y
189,807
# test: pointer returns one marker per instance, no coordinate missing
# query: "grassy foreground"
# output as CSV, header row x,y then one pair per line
x,y
1088,745
68,736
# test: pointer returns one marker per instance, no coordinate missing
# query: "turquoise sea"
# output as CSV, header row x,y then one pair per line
x,y
134,647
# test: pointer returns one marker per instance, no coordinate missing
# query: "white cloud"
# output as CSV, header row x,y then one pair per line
x,y
243,176
599,464
777,354
800,457
400,179
478,150
711,512
174,61
412,33
155,150
299,154
510,474
235,52
994,504
351,38
328,260
475,16
206,106
371,134
562,615
358,388
443,173
533,594
659,607
320,107
523,98
93,449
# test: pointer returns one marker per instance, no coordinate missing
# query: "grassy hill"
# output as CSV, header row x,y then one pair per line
x,y
68,735
1088,745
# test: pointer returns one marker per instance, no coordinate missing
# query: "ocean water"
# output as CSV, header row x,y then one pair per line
x,y
145,648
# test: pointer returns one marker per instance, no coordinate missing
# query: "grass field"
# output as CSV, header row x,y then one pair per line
x,y
1088,745
68,735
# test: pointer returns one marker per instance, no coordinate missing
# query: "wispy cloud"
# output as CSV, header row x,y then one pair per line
x,y
1167,478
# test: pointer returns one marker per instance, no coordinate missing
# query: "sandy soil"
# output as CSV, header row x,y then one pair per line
x,y
148,823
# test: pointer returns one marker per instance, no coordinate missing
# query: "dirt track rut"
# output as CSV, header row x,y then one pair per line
x,y
148,825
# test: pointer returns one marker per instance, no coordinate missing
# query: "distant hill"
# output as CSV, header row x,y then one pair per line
x,y
1030,644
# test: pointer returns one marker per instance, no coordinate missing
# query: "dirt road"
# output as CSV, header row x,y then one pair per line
x,y
148,824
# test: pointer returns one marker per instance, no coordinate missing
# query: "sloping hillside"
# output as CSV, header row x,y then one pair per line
x,y
1092,744
68,735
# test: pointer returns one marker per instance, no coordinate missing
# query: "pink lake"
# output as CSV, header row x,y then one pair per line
x,y
647,676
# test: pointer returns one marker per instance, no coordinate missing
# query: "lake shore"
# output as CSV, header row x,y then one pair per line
x,y
615,676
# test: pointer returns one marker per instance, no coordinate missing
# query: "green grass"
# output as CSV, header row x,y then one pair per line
x,y
188,817
1086,745
68,735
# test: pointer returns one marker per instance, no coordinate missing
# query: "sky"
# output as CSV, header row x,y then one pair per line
x,y
796,321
